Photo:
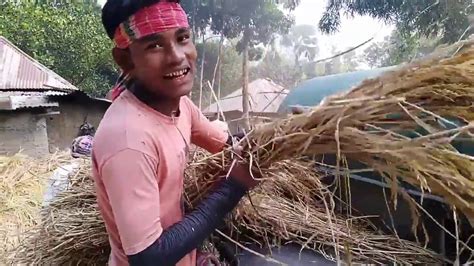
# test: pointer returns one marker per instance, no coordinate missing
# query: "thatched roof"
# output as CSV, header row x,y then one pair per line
x,y
265,97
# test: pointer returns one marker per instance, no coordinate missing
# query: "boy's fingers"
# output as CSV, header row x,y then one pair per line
x,y
238,149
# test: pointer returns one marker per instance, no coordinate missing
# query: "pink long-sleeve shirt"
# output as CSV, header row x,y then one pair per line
x,y
139,156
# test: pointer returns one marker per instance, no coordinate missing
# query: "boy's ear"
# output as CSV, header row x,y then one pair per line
x,y
123,59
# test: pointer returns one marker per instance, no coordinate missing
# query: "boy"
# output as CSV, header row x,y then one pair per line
x,y
82,144
141,146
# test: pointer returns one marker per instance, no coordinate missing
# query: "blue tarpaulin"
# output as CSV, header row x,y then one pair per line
x,y
311,92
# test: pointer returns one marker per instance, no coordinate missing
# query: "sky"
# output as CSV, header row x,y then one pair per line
x,y
353,31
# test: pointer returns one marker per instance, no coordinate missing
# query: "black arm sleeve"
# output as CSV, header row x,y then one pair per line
x,y
237,136
185,236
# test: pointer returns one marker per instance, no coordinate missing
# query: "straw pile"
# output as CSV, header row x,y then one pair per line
x,y
369,125
294,206
22,180
72,232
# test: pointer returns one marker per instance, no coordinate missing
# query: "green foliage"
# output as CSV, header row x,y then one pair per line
x,y
397,49
350,62
428,18
253,22
303,41
303,45
278,69
231,70
346,63
65,36
256,53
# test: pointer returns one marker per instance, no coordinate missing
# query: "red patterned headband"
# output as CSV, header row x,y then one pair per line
x,y
156,18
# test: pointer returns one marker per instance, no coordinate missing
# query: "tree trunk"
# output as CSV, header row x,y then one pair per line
x,y
194,21
216,68
297,59
245,87
219,79
193,16
219,70
202,71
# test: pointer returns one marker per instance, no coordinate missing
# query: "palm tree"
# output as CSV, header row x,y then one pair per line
x,y
303,40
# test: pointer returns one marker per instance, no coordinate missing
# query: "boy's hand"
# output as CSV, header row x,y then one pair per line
x,y
241,174
298,110
221,125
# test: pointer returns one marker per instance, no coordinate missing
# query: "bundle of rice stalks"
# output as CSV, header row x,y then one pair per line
x,y
401,125
72,231
22,182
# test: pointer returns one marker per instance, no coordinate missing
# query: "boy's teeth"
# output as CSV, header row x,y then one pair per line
x,y
176,74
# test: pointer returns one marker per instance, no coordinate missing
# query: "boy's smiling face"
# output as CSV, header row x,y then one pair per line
x,y
164,63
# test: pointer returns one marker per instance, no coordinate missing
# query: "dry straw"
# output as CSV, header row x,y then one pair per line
x,y
294,206
369,125
72,231
21,193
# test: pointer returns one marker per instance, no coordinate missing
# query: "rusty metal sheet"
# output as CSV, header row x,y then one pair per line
x,y
19,71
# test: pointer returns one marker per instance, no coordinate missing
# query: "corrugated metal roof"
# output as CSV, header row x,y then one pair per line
x,y
15,100
19,71
32,93
265,97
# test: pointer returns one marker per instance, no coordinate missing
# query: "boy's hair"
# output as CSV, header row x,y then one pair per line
x,y
115,12
86,129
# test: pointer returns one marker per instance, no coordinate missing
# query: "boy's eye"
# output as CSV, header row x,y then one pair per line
x,y
184,38
154,45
